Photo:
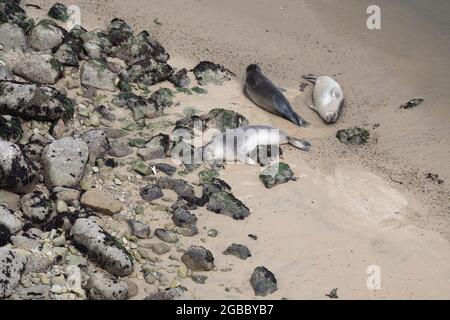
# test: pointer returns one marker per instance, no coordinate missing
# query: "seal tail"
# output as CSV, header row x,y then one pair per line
x,y
299,143
310,77
300,121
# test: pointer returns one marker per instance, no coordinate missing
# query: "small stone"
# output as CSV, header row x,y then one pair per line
x,y
140,167
200,279
160,248
263,281
166,236
276,174
151,192
139,229
101,201
61,206
213,233
238,250
183,218
198,258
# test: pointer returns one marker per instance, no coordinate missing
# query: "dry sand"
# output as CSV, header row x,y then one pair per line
x,y
352,206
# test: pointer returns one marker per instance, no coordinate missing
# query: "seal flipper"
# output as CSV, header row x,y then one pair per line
x,y
300,144
310,77
299,120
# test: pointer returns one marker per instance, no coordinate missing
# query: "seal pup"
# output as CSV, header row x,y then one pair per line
x,y
236,144
260,90
328,97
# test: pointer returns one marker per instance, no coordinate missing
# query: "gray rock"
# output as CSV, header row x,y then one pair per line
x,y
160,248
198,258
156,148
106,113
94,49
119,31
200,279
166,236
34,102
276,174
97,142
38,292
96,73
59,12
17,172
208,72
263,281
353,136
151,192
182,188
66,194
37,263
225,203
102,247
238,250
148,72
39,68
11,267
168,294
63,161
10,129
12,37
67,55
180,79
46,35
10,200
188,231
133,289
33,149
5,74
120,149
101,286
165,168
25,243
139,229
183,218
5,235
9,220
36,206
141,47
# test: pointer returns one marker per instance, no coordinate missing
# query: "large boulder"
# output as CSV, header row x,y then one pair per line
x,y
96,73
17,172
34,101
46,35
64,161
12,265
102,247
12,37
39,68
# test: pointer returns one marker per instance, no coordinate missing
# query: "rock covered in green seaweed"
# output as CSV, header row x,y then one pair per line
x,y
354,135
59,12
209,72
276,174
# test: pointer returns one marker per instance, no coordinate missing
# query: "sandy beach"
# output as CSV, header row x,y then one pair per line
x,y
352,207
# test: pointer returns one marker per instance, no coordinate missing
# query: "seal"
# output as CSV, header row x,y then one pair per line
x,y
328,97
236,144
261,91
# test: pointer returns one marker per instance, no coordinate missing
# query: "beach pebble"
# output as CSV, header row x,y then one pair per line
x,y
151,192
160,248
166,236
101,201
139,229
263,281
198,258
238,250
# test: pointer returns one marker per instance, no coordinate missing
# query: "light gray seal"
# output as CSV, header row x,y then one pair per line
x,y
328,97
259,89
236,144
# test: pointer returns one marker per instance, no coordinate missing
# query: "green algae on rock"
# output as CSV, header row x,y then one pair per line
x,y
276,174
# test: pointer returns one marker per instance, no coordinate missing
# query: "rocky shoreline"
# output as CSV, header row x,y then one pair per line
x,y
82,164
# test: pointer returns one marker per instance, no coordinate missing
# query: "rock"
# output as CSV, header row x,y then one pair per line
x,y
276,174
10,129
141,106
102,286
200,279
183,218
11,267
139,229
59,12
120,149
101,201
165,168
263,281
36,206
148,72
208,72
166,236
97,142
38,292
182,188
188,231
17,172
74,281
156,148
168,294
96,73
57,129
46,35
67,55
353,136
180,79
160,248
39,68
25,243
106,113
151,192
189,156
5,235
10,200
412,103
213,233
12,37
218,118
102,247
238,250
225,203
198,258
119,31
37,263
162,98
140,167
133,289
34,102
94,49
141,47
5,74
66,194
9,220
207,175
63,161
